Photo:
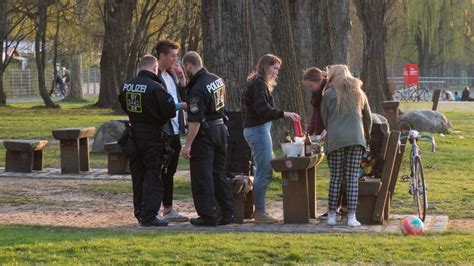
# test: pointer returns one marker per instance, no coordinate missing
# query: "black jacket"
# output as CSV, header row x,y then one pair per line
x,y
257,103
146,101
206,97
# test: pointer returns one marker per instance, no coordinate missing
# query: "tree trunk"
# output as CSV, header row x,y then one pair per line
x,y
115,51
3,96
300,13
3,37
339,27
261,38
311,31
373,15
422,46
75,91
40,52
55,53
272,32
289,80
226,42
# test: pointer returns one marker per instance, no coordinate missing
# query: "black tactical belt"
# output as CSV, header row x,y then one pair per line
x,y
208,124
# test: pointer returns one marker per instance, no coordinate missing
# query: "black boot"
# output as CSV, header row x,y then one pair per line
x,y
225,220
201,222
155,223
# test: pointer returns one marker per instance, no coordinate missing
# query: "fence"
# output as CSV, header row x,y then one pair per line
x,y
24,83
444,83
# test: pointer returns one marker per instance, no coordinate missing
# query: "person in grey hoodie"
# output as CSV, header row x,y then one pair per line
x,y
346,114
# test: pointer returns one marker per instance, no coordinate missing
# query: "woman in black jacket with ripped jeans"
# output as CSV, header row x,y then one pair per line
x,y
258,111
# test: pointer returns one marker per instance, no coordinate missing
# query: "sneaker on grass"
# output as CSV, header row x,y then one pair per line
x,y
174,216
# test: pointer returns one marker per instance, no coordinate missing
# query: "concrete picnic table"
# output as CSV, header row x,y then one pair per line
x,y
74,144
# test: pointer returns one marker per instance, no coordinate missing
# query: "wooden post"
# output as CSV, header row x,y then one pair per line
x,y
84,154
435,99
312,192
70,158
392,112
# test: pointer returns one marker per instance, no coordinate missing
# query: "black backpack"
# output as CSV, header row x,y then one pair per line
x,y
378,138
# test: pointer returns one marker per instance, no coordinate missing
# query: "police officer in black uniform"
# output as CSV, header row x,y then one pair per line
x,y
149,107
206,145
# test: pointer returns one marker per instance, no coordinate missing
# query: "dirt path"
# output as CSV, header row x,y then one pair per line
x,y
80,203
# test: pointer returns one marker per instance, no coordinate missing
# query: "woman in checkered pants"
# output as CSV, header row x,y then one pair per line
x,y
346,115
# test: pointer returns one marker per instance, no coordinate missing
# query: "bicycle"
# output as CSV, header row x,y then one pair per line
x,y
417,187
421,94
412,93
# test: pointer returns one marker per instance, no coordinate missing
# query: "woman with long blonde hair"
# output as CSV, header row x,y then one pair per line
x,y
346,114
258,111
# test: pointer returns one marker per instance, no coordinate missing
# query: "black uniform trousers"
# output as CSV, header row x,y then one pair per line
x,y
171,170
211,191
145,169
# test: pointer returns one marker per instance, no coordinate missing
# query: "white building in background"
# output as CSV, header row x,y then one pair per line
x,y
20,52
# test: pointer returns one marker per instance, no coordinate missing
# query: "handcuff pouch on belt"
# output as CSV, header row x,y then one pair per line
x,y
127,142
167,153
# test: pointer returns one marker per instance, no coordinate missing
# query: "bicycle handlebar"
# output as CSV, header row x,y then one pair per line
x,y
433,143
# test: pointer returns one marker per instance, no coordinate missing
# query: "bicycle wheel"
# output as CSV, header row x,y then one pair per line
x,y
398,96
419,187
426,95
415,96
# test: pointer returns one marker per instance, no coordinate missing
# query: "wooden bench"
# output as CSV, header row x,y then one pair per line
x,y
74,144
24,156
396,170
117,161
374,193
393,112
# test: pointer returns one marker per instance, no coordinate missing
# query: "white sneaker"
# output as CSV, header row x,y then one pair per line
x,y
352,221
174,216
161,218
331,219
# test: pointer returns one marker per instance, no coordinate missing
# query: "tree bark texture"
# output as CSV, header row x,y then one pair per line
x,y
115,52
55,53
40,51
75,90
295,30
3,37
339,28
311,35
226,45
373,15
272,32
3,96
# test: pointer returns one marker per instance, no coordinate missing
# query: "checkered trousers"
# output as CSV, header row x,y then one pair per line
x,y
344,163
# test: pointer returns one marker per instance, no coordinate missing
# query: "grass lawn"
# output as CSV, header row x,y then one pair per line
x,y
31,244
25,120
